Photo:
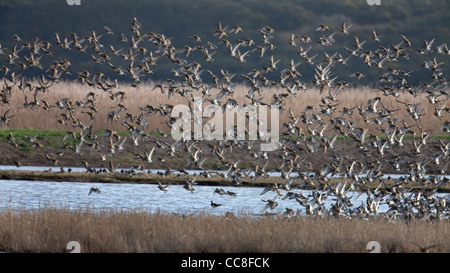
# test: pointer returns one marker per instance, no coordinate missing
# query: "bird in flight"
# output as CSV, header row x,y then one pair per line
x,y
96,190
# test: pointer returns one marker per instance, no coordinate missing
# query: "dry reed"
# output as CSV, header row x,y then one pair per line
x,y
145,94
50,229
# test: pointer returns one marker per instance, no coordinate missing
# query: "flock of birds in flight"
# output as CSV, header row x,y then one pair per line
x,y
309,132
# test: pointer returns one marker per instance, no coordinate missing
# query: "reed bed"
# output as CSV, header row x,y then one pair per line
x,y
98,231
145,94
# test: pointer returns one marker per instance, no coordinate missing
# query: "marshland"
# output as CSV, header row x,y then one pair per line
x,y
89,153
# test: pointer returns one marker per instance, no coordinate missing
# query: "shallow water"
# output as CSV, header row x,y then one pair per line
x,y
192,172
29,195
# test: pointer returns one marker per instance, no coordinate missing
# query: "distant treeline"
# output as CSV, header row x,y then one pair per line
x,y
418,20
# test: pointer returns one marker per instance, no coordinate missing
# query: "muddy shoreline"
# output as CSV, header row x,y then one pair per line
x,y
126,160
312,162
180,179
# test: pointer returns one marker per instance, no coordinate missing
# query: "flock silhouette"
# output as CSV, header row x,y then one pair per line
x,y
313,131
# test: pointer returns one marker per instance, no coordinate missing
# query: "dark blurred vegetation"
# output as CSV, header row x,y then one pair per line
x,y
418,20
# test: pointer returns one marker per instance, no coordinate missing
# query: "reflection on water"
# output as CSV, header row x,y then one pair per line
x,y
17,194
34,194
191,172
27,195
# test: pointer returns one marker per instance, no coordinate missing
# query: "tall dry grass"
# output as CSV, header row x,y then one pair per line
x,y
145,94
50,229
